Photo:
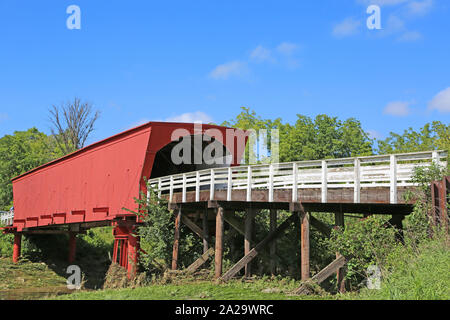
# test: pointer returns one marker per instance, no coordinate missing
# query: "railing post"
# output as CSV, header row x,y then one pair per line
x,y
197,186
249,184
294,182
184,188
435,157
229,183
211,186
356,183
324,181
271,182
171,190
159,188
393,179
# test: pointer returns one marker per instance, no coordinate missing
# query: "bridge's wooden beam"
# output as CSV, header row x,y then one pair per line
x,y
323,274
205,231
176,243
273,244
339,221
260,246
200,261
248,238
219,242
305,265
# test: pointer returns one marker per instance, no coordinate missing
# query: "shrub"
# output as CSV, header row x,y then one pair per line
x,y
363,242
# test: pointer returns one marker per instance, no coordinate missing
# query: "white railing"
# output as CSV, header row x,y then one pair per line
x,y
6,218
390,171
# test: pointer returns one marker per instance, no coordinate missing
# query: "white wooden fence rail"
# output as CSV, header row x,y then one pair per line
x,y
391,171
6,218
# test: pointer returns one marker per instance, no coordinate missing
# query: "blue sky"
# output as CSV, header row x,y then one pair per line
x,y
138,61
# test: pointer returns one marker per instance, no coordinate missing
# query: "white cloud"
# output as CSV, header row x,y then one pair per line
x,y
410,36
397,108
191,117
348,27
419,7
287,48
381,3
441,102
226,70
261,54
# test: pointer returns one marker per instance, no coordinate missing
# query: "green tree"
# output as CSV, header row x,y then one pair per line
x,y
433,136
19,153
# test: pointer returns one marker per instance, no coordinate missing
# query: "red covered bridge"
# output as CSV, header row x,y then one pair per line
x,y
91,186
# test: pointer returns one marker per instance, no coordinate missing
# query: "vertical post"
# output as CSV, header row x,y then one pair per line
x,y
443,204
294,182
249,184
393,179
273,244
72,246
229,183
171,190
176,242
197,186
248,238
219,242
271,169
133,254
184,188
357,183
211,186
305,269
205,231
324,181
17,246
339,221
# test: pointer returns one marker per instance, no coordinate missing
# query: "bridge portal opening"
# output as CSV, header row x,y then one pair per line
x,y
196,152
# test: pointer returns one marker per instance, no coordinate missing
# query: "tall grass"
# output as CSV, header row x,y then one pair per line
x,y
420,273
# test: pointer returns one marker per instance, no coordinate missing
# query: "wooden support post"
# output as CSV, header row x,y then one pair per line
x,y
176,242
133,254
72,246
340,272
273,244
248,238
17,246
200,261
323,274
219,242
305,268
205,231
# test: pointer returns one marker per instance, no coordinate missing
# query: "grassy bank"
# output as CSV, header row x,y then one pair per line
x,y
234,290
420,273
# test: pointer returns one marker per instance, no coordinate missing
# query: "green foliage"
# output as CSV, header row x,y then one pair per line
x,y
419,273
157,236
417,224
19,153
310,139
363,242
6,244
433,136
